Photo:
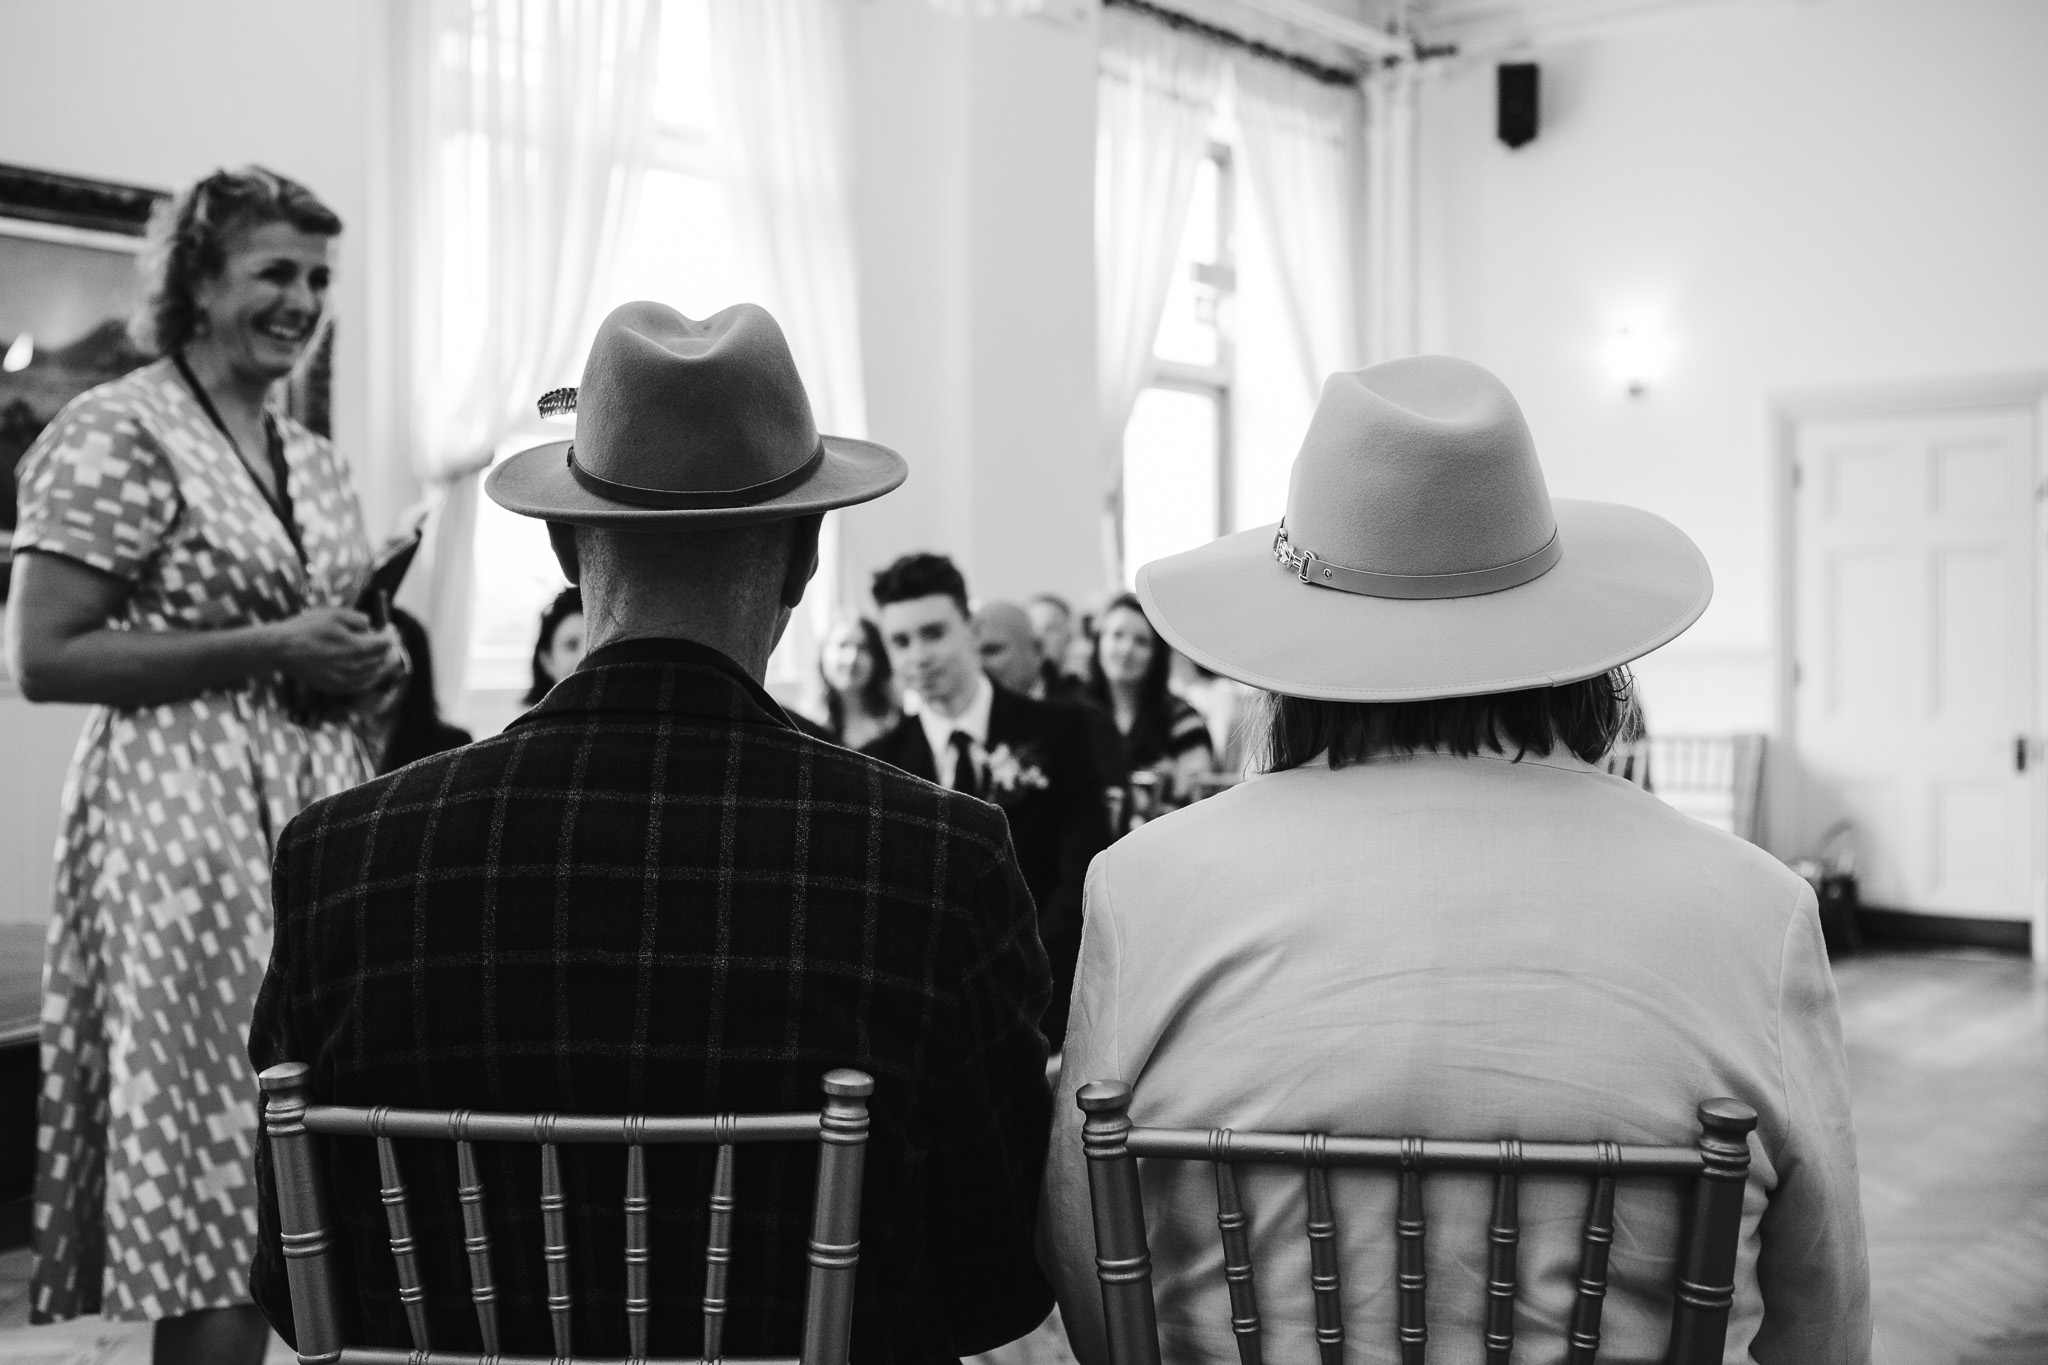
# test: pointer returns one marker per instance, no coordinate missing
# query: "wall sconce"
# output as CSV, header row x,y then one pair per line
x,y
1637,354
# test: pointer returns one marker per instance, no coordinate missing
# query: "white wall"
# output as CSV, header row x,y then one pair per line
x,y
1802,194
974,184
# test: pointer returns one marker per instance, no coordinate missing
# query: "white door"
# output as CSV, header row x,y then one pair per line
x,y
1916,652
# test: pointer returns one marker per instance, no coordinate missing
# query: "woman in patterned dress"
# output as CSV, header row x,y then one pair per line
x,y
184,559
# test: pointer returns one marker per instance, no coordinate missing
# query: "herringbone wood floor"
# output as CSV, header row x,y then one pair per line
x,y
1949,1055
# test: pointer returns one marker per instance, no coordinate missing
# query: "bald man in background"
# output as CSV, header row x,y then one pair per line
x,y
1012,658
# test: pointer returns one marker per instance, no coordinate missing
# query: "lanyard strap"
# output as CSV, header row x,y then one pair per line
x,y
281,503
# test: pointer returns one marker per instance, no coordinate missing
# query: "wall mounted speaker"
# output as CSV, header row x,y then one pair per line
x,y
1516,88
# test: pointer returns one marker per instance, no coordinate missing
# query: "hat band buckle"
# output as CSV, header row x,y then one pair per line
x,y
1318,572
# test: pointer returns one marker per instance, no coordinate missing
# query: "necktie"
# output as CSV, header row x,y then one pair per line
x,y
963,764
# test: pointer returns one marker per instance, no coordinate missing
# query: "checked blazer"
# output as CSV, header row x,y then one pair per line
x,y
652,893
1056,828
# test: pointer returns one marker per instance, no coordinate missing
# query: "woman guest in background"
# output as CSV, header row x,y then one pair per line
x,y
185,559
1434,916
559,647
1127,678
411,727
858,692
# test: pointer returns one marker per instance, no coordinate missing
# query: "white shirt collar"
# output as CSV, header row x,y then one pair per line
x,y
938,730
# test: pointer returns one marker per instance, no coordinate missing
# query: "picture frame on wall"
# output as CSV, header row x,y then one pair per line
x,y
70,277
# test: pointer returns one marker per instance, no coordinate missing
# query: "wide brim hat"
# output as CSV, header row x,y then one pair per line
x,y
682,423
1422,557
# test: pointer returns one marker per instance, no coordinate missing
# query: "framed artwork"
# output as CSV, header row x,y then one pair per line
x,y
69,251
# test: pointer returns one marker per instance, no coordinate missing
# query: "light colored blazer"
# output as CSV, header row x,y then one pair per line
x,y
1461,948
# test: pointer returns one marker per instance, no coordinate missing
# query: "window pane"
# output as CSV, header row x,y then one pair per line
x,y
680,252
516,576
1170,475
1189,330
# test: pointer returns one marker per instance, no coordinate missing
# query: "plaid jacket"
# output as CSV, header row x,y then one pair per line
x,y
653,894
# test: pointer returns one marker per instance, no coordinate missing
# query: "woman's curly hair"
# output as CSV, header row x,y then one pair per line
x,y
188,242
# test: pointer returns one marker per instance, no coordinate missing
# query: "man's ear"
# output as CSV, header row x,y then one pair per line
x,y
803,558
562,538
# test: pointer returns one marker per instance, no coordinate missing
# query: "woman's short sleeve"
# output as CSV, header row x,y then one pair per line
x,y
96,489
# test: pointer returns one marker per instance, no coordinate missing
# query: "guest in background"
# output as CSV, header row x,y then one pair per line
x,y
412,728
1010,656
185,560
1433,914
1052,620
1032,759
858,689
559,646
1127,678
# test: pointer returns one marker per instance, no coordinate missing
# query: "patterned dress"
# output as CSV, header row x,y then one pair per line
x,y
145,1203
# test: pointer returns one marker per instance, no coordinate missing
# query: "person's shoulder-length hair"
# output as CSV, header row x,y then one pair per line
x,y
188,240
568,602
1152,723
876,698
1586,719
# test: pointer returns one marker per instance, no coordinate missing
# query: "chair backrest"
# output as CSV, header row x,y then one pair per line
x,y
291,1121
1718,1169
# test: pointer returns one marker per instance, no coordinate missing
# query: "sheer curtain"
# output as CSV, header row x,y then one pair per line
x,y
779,87
1298,136
1157,96
535,122
1391,322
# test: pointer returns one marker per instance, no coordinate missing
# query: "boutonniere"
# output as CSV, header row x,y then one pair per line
x,y
1011,771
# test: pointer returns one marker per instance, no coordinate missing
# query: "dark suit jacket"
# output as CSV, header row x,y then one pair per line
x,y
1057,829
653,894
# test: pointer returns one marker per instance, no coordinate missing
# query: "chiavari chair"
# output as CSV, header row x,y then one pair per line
x,y
291,1122
1717,1169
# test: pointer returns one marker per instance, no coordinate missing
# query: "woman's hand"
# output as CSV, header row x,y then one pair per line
x,y
335,651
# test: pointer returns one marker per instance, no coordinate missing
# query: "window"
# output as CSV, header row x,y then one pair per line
x,y
679,252
1177,446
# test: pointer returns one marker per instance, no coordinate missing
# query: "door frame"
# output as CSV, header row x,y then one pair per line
x,y
1790,407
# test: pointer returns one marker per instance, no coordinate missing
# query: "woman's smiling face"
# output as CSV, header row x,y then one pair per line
x,y
262,308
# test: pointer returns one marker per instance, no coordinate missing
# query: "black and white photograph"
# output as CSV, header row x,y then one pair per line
x,y
1024,682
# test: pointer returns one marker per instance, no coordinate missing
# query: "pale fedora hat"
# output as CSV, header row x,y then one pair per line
x,y
688,423
1422,556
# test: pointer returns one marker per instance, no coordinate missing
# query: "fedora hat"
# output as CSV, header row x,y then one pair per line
x,y
687,423
1422,556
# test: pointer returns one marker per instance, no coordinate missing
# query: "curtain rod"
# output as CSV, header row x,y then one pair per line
x,y
1187,23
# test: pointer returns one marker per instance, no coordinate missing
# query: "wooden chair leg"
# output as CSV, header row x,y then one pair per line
x,y
1123,1260
1706,1274
302,1214
835,1221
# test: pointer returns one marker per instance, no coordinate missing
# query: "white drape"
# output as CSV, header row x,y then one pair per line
x,y
1391,287
535,125
781,106
1157,96
1298,157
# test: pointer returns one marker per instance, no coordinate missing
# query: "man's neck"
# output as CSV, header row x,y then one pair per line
x,y
955,706
749,648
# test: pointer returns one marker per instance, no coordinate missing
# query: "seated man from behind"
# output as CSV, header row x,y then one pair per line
x,y
1433,915
653,894
1032,759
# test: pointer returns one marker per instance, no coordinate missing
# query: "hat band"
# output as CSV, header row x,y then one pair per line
x,y
669,500
1313,569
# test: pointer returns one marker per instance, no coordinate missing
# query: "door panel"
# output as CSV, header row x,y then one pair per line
x,y
1914,609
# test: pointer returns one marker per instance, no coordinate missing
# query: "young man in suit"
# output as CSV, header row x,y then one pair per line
x,y
1033,760
654,894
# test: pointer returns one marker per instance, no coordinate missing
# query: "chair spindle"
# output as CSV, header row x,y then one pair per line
x,y
1594,1245
1237,1251
639,1296
835,1218
404,1251
1322,1255
1123,1258
554,1229
476,1235
301,1212
718,1250
1706,1274
1411,1274
1503,1241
